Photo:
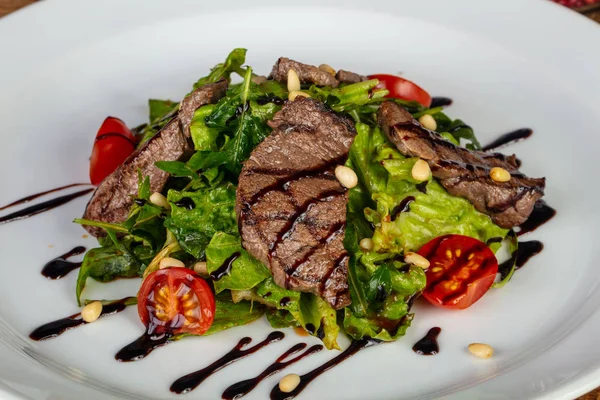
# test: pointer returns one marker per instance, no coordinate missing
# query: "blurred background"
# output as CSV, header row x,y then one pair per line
x,y
590,8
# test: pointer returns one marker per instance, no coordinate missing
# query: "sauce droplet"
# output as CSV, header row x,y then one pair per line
x,y
428,345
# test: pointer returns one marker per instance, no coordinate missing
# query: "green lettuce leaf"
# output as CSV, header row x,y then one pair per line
x,y
229,314
213,211
291,308
246,272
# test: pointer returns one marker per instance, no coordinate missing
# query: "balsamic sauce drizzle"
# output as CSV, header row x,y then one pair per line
x,y
355,347
240,389
58,327
27,199
59,267
541,214
402,207
42,207
428,345
187,203
225,268
439,101
142,346
524,252
191,381
508,138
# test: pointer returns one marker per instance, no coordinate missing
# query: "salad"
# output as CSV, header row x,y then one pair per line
x,y
321,200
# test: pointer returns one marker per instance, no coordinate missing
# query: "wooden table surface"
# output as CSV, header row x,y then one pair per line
x,y
8,6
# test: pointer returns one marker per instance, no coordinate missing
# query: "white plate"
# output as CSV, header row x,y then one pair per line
x,y
65,65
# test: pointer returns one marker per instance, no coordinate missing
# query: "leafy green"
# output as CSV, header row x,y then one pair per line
x,y
177,169
213,211
295,309
204,138
458,129
385,174
232,64
239,130
388,315
246,272
124,258
229,314
160,113
158,109
507,269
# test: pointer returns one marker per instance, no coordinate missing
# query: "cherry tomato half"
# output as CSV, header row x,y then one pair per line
x,y
114,143
176,300
403,89
461,271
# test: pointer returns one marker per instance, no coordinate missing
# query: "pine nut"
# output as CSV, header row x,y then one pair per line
x,y
416,260
428,122
346,176
481,350
421,171
169,262
293,81
289,382
366,244
200,268
292,95
499,175
92,311
327,68
159,200
258,79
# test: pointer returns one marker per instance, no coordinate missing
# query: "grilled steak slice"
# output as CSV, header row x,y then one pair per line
x,y
291,209
349,77
113,198
306,73
463,172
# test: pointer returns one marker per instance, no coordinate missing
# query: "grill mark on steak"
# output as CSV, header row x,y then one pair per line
x,y
291,208
113,198
465,173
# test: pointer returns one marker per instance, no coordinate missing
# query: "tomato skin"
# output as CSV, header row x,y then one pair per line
x,y
403,89
114,143
115,125
176,300
461,271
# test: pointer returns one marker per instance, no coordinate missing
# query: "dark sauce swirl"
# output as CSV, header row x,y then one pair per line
x,y
191,381
306,379
59,267
240,389
42,207
60,326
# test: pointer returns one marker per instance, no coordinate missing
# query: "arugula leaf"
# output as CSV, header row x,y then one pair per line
x,y
177,169
125,258
246,272
379,286
458,129
209,211
232,64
